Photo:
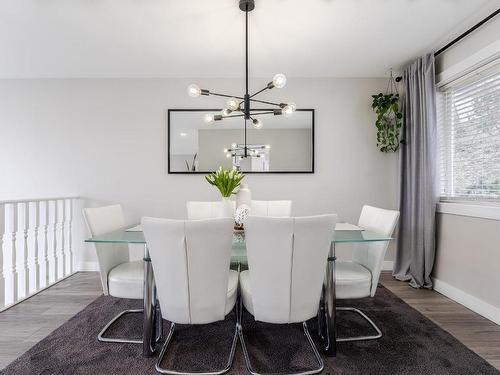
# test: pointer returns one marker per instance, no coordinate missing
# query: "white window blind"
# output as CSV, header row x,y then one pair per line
x,y
469,138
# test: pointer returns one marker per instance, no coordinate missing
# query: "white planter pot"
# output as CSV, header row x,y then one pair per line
x,y
227,208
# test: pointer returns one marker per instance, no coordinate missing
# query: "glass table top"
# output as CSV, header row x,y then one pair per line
x,y
338,236
239,248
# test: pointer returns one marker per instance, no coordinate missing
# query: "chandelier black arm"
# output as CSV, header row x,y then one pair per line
x,y
258,92
233,116
264,102
253,114
225,95
263,113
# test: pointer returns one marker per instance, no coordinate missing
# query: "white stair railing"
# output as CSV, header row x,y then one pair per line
x,y
44,244
52,255
33,260
36,248
2,275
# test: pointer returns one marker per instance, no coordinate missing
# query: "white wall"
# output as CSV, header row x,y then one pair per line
x,y
104,139
467,253
468,257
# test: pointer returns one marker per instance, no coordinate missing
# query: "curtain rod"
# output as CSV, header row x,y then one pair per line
x,y
473,28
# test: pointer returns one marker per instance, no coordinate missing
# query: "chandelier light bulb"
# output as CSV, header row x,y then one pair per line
x,y
194,90
289,109
228,155
279,81
233,104
257,124
225,112
233,145
209,118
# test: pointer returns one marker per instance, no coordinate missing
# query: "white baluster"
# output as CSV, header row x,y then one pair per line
x,y
33,261
69,238
22,250
10,271
52,237
2,278
61,256
44,244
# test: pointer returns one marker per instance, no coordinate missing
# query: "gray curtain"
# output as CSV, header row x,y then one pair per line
x,y
418,191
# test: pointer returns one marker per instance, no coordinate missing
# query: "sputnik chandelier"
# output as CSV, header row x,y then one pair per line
x,y
240,106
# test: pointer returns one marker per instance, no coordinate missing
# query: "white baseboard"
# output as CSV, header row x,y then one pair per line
x,y
388,265
473,303
87,266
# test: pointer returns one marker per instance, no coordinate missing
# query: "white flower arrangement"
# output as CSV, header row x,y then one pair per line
x,y
226,180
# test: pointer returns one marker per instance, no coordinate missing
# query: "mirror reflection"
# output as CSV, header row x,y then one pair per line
x,y
279,144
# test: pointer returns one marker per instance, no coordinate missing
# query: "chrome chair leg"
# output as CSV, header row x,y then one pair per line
x,y
311,343
101,337
158,324
174,372
360,338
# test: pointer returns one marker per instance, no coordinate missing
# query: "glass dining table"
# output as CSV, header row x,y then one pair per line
x,y
327,309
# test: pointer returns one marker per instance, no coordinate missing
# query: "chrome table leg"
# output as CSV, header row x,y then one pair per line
x,y
330,326
148,334
158,319
321,313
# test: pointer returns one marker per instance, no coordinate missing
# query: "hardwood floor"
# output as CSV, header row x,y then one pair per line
x,y
24,325
477,333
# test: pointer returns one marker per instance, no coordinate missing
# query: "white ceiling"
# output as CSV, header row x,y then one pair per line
x,y
203,38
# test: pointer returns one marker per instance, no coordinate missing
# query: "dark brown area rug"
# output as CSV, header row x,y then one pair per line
x,y
411,344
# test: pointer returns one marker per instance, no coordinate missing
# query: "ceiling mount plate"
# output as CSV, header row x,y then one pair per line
x,y
247,5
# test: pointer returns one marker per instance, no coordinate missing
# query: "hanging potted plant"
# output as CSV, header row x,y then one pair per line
x,y
389,118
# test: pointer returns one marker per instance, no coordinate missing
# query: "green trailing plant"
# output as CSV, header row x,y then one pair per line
x,y
389,120
226,180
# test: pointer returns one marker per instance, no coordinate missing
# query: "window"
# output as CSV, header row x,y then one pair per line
x,y
469,138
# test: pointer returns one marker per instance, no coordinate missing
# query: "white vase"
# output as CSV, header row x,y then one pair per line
x,y
244,196
227,207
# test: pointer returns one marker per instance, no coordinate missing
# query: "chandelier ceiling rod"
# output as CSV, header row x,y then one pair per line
x,y
242,103
247,97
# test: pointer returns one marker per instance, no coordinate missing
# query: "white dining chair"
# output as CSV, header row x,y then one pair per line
x,y
191,265
359,278
119,276
271,208
287,259
206,210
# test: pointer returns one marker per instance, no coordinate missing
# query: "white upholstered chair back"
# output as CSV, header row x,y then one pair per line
x,y
102,220
271,208
191,262
287,260
205,210
371,254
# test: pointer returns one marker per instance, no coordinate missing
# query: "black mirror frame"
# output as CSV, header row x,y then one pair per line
x,y
218,110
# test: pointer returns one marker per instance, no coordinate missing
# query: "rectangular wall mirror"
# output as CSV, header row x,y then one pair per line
x,y
282,145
